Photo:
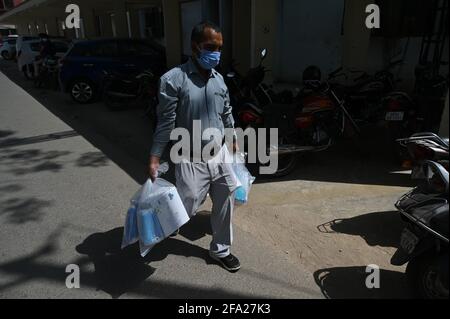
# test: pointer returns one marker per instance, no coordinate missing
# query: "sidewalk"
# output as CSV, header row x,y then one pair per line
x,y
63,201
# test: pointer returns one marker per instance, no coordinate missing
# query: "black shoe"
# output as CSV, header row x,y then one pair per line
x,y
175,233
230,262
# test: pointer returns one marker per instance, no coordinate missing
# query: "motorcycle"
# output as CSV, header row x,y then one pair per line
x,y
423,147
306,122
120,91
374,100
424,240
366,96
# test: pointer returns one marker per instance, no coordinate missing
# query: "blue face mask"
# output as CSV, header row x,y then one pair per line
x,y
208,59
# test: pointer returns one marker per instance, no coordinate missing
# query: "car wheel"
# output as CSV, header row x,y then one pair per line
x,y
82,91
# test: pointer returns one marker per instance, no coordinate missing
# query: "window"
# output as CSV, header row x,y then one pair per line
x,y
29,38
9,4
104,49
145,49
152,23
80,51
98,26
35,46
113,24
404,18
60,47
136,48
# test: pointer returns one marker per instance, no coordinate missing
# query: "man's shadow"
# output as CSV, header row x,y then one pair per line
x,y
118,271
198,227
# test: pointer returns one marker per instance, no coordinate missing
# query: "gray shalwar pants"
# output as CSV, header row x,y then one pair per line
x,y
194,181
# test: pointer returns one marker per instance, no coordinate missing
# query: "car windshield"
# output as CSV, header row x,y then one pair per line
x,y
29,38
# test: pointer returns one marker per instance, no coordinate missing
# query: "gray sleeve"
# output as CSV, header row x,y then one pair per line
x,y
227,115
166,113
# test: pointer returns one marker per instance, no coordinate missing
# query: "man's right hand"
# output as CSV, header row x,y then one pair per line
x,y
153,167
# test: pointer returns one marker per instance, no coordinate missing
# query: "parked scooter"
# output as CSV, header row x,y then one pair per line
x,y
424,241
120,91
424,147
306,123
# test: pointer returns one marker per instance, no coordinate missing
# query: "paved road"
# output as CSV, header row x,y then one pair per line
x,y
63,201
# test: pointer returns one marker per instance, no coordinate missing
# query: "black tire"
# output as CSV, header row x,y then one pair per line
x,y
286,165
82,91
422,275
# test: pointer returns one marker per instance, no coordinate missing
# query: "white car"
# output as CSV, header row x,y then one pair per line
x,y
21,39
30,49
8,48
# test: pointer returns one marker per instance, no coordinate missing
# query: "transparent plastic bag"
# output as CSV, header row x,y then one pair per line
x,y
130,232
156,211
245,178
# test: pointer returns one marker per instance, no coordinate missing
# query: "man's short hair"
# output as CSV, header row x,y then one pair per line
x,y
198,32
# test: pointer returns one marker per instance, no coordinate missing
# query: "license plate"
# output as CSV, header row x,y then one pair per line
x,y
395,116
408,241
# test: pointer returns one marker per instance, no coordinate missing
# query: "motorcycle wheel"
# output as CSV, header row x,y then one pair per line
x,y
286,165
423,278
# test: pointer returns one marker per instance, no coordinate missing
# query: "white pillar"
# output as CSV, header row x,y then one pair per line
x,y
129,24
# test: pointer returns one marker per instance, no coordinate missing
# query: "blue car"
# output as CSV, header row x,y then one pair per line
x,y
86,63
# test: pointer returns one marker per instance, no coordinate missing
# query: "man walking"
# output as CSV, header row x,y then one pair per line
x,y
192,92
46,50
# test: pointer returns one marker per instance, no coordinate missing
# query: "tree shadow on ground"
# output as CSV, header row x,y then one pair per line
x,y
24,210
92,159
23,162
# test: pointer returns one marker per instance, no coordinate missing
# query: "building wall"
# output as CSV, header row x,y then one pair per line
x,y
309,34
242,11
382,51
264,32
